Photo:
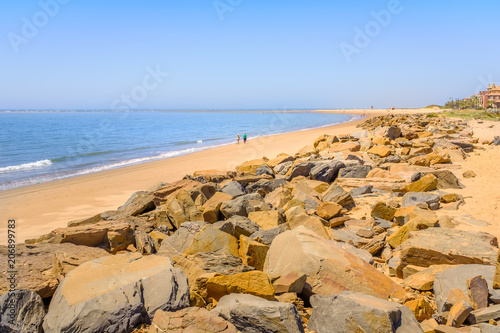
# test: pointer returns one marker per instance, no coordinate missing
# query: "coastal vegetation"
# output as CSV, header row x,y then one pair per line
x,y
467,114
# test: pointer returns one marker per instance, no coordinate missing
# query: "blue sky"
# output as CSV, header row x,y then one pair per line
x,y
245,54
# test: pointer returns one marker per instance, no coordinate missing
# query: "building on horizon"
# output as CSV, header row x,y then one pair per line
x,y
490,95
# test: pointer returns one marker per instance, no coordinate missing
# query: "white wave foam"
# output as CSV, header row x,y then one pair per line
x,y
26,166
199,141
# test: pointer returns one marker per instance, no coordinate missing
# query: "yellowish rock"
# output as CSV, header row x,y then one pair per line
x,y
424,280
210,239
383,211
451,197
211,208
255,283
327,210
420,308
426,183
379,150
252,253
418,223
157,237
381,141
267,219
279,197
281,158
250,166
404,214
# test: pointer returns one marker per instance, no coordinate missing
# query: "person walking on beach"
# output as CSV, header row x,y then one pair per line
x,y
238,138
244,138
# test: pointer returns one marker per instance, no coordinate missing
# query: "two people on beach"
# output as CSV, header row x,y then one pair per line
x,y
244,138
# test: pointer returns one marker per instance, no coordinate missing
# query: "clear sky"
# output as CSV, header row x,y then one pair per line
x,y
245,54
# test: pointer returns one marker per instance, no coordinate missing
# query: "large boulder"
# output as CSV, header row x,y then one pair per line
x,y
279,197
234,189
250,166
21,311
252,253
210,239
140,202
240,206
242,226
353,312
113,236
456,278
199,264
180,208
335,193
211,208
251,314
115,294
267,236
426,183
355,171
180,241
438,246
42,266
326,171
446,179
300,169
429,200
267,219
253,283
190,320
329,268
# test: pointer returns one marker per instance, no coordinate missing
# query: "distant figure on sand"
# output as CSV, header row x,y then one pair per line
x,y
244,138
237,139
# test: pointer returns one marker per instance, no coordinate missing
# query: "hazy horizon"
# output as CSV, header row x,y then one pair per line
x,y
244,55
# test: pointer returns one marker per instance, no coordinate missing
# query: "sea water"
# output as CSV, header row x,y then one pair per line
x,y
42,146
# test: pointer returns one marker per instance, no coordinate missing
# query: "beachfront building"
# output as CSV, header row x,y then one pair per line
x,y
492,95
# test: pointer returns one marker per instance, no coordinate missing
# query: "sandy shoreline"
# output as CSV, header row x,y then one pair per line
x,y
40,208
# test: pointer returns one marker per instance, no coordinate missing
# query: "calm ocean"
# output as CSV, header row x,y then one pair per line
x,y
38,147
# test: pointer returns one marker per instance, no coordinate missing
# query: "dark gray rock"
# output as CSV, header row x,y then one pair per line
x,y
225,226
456,278
326,171
496,142
348,236
200,263
243,226
392,159
263,187
355,171
301,169
431,200
139,203
180,240
252,314
335,193
484,315
239,206
466,146
267,236
282,168
355,192
264,169
234,188
352,312
21,311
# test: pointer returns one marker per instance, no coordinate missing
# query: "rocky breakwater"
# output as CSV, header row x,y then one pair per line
x,y
350,234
